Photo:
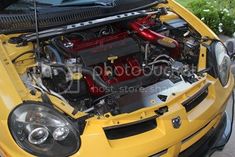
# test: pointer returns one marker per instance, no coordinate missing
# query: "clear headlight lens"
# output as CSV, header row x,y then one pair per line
x,y
60,133
42,131
38,136
223,62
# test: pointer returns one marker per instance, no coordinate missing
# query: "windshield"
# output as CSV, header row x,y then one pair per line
x,y
23,5
71,2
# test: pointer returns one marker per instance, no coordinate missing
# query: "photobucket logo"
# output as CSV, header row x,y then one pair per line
x,y
135,71
118,71
101,75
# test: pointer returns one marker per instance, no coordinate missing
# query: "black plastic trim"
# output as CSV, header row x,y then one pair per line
x,y
130,129
196,99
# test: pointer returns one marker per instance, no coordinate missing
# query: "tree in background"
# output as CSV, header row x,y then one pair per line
x,y
219,15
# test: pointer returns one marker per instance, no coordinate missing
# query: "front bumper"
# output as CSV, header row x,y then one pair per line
x,y
216,138
163,141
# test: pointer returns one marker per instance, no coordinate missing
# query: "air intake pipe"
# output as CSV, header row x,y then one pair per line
x,y
141,28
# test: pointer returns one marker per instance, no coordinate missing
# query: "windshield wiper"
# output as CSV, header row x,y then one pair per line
x,y
86,3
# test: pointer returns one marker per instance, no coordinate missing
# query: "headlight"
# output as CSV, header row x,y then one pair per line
x,y
43,131
223,62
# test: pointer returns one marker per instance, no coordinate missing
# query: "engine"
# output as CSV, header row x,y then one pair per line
x,y
98,70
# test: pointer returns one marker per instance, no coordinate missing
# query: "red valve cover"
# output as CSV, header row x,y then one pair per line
x,y
123,69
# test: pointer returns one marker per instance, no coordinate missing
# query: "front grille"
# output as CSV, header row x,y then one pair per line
x,y
131,129
196,99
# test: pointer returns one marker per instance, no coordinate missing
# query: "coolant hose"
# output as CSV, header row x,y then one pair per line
x,y
56,54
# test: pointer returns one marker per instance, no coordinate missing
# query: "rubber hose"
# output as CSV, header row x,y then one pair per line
x,y
55,43
55,53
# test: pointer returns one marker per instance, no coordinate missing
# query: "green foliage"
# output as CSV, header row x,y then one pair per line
x,y
209,15
184,2
219,15
228,21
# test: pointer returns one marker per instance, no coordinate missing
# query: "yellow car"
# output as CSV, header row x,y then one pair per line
x,y
111,78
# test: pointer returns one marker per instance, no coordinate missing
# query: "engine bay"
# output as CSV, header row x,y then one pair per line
x,y
118,67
